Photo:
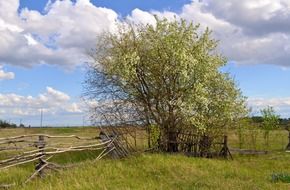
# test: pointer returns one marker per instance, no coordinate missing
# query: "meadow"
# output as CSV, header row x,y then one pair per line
x,y
157,170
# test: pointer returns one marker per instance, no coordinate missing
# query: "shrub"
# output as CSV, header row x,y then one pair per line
x,y
281,177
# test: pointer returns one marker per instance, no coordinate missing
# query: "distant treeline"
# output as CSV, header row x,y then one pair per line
x,y
5,124
283,122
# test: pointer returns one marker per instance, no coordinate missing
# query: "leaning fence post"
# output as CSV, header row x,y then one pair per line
x,y
135,137
41,146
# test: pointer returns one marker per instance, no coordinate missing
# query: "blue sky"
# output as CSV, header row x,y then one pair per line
x,y
44,45
123,7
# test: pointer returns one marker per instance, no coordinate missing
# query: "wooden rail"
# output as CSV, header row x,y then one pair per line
x,y
25,149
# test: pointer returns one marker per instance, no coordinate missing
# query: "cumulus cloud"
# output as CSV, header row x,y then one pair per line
x,y
62,36
257,17
263,102
143,17
281,105
6,75
51,102
248,30
251,32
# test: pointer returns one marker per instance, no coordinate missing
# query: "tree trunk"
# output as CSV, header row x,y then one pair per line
x,y
172,144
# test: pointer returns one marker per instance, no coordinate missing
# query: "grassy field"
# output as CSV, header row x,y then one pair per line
x,y
153,171
254,139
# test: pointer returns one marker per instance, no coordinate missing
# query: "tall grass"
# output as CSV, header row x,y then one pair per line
x,y
161,171
157,171
254,139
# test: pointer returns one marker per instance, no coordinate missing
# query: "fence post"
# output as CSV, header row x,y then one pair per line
x,y
225,152
225,146
288,146
41,146
135,137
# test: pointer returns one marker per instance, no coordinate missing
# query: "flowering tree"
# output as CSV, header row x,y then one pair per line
x,y
167,75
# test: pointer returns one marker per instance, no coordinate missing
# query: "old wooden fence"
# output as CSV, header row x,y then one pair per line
x,y
40,148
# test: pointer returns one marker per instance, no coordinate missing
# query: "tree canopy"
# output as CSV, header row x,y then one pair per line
x,y
168,74
270,118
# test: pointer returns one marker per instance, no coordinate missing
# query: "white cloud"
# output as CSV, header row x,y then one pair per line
x,y
254,32
254,17
248,30
30,40
57,95
74,108
143,17
62,36
6,75
263,102
51,101
280,105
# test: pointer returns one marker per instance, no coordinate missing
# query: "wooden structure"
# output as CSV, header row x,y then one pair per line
x,y
40,148
124,139
130,139
200,145
288,146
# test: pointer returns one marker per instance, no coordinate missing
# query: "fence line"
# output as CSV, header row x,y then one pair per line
x,y
25,149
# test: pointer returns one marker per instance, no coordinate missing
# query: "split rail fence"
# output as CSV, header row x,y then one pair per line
x,y
40,148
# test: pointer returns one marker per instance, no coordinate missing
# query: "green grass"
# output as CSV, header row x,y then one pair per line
x,y
86,131
161,171
254,139
153,171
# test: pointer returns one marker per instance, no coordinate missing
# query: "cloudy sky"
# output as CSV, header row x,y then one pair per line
x,y
44,45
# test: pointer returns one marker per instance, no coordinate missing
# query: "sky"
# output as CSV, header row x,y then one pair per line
x,y
44,46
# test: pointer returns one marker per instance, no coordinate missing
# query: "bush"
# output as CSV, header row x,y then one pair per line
x,y
154,135
270,122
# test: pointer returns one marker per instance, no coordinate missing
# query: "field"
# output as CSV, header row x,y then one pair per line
x,y
156,171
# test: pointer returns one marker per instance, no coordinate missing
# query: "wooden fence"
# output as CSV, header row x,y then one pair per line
x,y
40,148
134,138
254,140
117,142
199,145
